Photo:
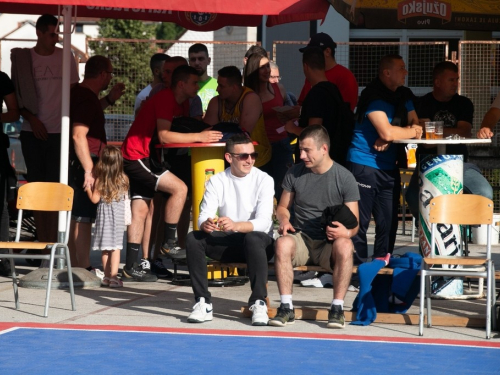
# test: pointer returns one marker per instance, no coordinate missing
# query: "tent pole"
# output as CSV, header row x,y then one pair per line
x,y
66,71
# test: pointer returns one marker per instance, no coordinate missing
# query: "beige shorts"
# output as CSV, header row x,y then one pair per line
x,y
312,252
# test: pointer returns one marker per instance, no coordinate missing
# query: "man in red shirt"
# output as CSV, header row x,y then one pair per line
x,y
335,73
155,119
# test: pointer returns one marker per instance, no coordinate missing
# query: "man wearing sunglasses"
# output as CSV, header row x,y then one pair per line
x,y
235,226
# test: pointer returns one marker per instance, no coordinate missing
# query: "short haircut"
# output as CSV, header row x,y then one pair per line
x,y
237,139
182,73
44,21
95,66
273,65
251,72
232,74
197,48
255,49
318,133
314,58
157,60
176,60
442,66
387,61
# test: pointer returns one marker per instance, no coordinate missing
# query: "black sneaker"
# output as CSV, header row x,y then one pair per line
x,y
284,316
159,269
173,251
336,317
137,273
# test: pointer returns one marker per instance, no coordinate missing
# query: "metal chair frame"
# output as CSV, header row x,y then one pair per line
x,y
464,209
42,196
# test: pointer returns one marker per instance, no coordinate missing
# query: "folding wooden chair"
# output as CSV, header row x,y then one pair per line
x,y
42,196
463,209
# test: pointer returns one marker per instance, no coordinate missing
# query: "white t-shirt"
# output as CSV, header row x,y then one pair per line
x,y
496,102
248,198
142,96
47,73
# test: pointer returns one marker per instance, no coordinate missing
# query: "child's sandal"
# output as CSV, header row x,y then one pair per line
x,y
105,281
115,283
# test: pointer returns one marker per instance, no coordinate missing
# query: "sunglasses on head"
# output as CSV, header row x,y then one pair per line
x,y
245,156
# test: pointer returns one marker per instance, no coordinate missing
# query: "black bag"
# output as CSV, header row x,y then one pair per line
x,y
229,129
340,213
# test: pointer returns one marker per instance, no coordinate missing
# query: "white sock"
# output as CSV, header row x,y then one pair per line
x,y
338,302
287,298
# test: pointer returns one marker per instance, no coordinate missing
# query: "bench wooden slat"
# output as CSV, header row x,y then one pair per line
x,y
408,319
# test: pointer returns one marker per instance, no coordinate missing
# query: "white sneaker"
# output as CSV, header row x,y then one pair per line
x,y
322,281
202,312
259,316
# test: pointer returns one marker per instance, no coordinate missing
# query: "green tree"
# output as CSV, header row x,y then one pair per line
x,y
168,31
130,58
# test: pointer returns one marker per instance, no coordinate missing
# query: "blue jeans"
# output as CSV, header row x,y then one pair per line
x,y
474,183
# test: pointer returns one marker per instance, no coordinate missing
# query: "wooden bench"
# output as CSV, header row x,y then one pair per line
x,y
387,318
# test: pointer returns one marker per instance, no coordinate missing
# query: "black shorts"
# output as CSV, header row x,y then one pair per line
x,y
84,211
180,165
143,181
42,158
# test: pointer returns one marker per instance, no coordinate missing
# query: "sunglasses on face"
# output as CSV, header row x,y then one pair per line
x,y
245,156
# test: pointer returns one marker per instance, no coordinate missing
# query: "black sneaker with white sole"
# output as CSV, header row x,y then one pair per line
x,y
336,317
137,273
173,251
284,316
159,269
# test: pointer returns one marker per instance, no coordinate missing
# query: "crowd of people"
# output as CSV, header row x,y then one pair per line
x,y
344,166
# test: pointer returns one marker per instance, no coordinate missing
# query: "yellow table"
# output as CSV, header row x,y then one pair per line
x,y
207,159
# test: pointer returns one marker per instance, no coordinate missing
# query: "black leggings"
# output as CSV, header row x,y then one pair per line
x,y
254,248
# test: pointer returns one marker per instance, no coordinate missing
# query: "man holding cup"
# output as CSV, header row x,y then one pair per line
x,y
455,112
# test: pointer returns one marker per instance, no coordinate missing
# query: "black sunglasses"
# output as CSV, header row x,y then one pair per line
x,y
245,156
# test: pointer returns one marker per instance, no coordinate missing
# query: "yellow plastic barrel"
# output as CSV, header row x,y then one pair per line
x,y
204,160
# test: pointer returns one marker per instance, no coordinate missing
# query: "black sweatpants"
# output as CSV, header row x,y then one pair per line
x,y
379,192
254,248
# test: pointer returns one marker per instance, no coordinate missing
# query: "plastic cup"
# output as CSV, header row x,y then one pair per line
x,y
438,132
430,129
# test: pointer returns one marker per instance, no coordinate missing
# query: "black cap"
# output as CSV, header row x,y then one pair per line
x,y
321,40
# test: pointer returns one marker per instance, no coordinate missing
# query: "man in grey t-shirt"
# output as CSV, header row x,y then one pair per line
x,y
312,186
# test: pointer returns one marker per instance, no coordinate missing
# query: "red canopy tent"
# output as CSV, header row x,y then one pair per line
x,y
190,14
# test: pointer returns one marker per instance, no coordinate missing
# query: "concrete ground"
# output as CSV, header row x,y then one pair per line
x,y
162,304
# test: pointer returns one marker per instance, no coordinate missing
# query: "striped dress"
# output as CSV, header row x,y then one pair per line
x,y
109,225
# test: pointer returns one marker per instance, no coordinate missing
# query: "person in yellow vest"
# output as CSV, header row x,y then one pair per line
x,y
240,105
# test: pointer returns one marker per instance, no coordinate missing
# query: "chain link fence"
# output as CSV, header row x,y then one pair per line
x,y
479,64
130,59
362,59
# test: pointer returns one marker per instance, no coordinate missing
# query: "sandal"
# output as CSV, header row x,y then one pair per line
x,y
115,283
105,281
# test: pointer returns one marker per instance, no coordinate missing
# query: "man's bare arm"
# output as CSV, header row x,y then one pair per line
x,y
388,132
490,119
283,212
212,114
82,151
167,136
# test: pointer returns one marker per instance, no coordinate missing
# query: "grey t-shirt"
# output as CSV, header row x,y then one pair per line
x,y
315,192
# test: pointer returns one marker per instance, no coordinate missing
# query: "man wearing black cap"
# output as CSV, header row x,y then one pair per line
x,y
335,73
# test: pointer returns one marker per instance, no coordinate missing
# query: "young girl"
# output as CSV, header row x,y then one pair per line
x,y
110,190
